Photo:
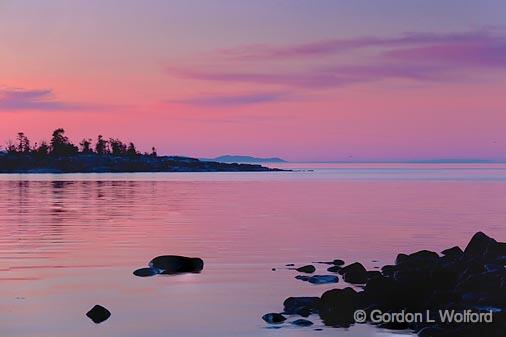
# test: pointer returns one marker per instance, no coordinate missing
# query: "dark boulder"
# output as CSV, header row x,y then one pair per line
x,y
98,314
454,252
478,245
354,273
337,307
401,258
274,318
308,269
338,262
294,305
173,264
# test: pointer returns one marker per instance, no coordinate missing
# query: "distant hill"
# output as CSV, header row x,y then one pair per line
x,y
245,159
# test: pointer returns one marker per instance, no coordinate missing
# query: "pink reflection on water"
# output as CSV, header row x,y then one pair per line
x,y
67,245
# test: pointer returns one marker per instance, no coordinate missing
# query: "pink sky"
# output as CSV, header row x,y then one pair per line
x,y
302,80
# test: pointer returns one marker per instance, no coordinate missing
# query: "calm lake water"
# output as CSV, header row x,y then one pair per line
x,y
71,241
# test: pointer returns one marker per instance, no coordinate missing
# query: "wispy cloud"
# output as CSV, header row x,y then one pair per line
x,y
42,100
422,57
337,46
232,99
323,76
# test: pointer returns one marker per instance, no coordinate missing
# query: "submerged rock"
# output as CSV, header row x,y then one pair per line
x,y
144,272
318,279
302,322
274,318
308,269
98,314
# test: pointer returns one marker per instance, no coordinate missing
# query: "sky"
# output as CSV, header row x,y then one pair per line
x,y
388,80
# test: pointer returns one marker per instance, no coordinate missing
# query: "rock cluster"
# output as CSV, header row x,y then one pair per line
x,y
426,283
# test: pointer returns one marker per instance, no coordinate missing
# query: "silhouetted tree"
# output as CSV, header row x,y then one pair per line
x,y
23,143
118,148
60,144
101,147
153,152
41,150
132,151
86,145
10,147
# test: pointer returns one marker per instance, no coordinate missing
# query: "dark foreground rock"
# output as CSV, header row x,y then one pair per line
x,y
460,282
171,264
98,314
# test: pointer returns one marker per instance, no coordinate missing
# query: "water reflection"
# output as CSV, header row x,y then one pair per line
x,y
66,245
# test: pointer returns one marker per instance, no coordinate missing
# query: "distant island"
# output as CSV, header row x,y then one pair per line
x,y
246,159
105,155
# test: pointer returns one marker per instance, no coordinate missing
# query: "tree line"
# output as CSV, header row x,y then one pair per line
x,y
60,145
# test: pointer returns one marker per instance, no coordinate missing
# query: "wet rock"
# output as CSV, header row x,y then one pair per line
x,y
454,252
338,262
302,322
401,258
174,264
308,269
337,307
354,273
334,269
318,279
373,274
274,318
290,265
145,272
471,280
294,305
98,314
478,245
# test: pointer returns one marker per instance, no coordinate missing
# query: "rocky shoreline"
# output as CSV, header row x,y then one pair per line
x,y
94,163
455,293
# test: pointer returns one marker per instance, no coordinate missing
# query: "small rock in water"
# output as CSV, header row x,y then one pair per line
x,y
318,279
273,269
302,322
144,272
274,318
98,314
173,264
334,269
309,269
338,262
290,265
